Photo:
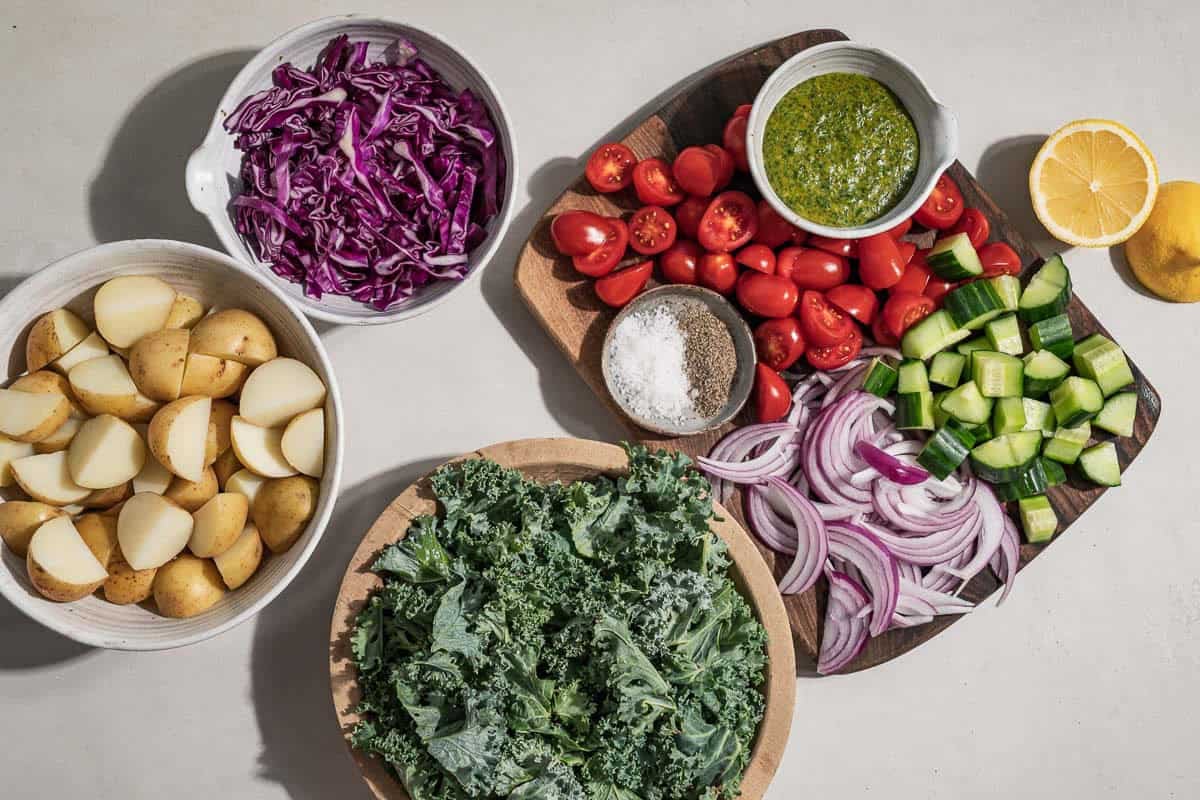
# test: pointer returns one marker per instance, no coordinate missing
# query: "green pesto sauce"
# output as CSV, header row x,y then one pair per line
x,y
840,149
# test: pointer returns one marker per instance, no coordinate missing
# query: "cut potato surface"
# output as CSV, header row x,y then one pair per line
x,y
47,478
190,495
239,563
187,586
245,482
61,438
279,390
234,334
20,519
10,451
260,449
154,478
212,376
156,364
303,442
29,417
178,436
106,452
46,382
186,311
52,336
282,509
60,564
152,530
130,306
103,386
217,524
93,346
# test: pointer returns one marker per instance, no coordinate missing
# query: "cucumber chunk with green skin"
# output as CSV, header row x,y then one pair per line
x,y
1038,416
1048,292
997,374
1099,358
946,368
1008,288
1053,334
1032,481
880,378
966,404
973,304
981,432
1037,519
953,258
1008,416
940,415
931,335
1043,372
970,346
946,449
1004,334
1067,443
913,377
1099,464
1075,400
1055,474
1003,458
914,411
1118,414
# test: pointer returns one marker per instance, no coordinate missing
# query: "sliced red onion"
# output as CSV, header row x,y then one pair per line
x,y
828,454
992,517
889,466
860,547
812,543
930,549
767,525
844,633
1009,553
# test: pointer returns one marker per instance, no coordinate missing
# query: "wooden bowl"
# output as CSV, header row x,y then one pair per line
x,y
564,460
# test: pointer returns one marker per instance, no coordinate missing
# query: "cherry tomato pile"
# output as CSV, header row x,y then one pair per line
x,y
808,297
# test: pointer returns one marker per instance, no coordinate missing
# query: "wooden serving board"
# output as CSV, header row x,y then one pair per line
x,y
565,305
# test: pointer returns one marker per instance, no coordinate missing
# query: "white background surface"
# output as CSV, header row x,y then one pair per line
x,y
1084,685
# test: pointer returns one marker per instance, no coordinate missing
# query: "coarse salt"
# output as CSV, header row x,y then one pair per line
x,y
647,365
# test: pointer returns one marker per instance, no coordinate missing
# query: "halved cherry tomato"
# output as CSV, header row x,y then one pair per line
x,y
651,230
899,230
717,272
767,295
610,168
773,230
836,355
857,301
757,257
916,275
907,250
881,336
577,233
937,289
812,269
680,261
974,224
724,161
743,110
688,214
943,207
822,324
729,222
697,171
779,342
998,258
653,183
772,397
846,248
879,262
734,139
603,259
619,288
903,310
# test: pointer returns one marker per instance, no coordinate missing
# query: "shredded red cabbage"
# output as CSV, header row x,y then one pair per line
x,y
365,180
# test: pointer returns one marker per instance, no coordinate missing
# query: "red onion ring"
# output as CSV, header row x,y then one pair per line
x,y
812,543
844,633
871,557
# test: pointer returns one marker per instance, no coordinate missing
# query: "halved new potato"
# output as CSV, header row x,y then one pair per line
x,y
217,524
239,563
187,586
190,495
61,567
10,451
61,438
107,498
124,584
234,334
220,420
91,347
29,417
19,519
279,390
99,533
245,482
156,363
226,466
52,336
303,442
212,376
106,452
130,306
186,311
154,478
152,530
47,478
260,449
46,382
282,508
178,435
103,386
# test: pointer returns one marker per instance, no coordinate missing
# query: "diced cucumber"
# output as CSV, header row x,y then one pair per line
x,y
945,450
1029,483
1043,371
1118,414
1053,334
1076,400
981,432
1004,334
913,377
1099,464
1101,359
1008,416
1048,292
946,368
914,411
1005,457
1038,416
1055,474
880,378
1037,519
1067,443
953,258
1008,287
970,346
996,374
966,404
973,304
931,335
940,415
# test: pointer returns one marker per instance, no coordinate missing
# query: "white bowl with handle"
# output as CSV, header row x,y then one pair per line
x,y
217,281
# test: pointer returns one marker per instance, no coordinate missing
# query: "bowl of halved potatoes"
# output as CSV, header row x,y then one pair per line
x,y
170,444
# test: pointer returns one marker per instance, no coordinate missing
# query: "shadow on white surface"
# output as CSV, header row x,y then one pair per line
x,y
303,750
1004,172
1116,256
27,645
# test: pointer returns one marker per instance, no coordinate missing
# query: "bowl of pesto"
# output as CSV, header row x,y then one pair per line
x,y
847,141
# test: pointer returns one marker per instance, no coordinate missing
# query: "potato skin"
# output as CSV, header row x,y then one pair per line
x,y
53,589
186,311
226,466
44,343
282,508
211,376
219,521
126,585
99,533
187,586
190,495
239,563
107,498
156,363
20,519
234,334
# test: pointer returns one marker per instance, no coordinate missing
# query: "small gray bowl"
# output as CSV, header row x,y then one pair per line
x,y
743,347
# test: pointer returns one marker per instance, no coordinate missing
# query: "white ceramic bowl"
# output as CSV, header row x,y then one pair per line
x,y
212,174
937,127
217,281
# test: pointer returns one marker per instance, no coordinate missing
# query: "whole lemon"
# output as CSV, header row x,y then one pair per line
x,y
1165,252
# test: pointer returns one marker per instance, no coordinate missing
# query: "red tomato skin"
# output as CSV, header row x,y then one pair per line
x,y
846,248
974,224
743,110
610,167
619,288
652,230
773,230
822,324
881,336
943,207
857,301
733,138
605,258
903,310
577,233
653,184
907,250
837,355
772,397
757,257
779,343
730,221
697,171
688,214
916,275
998,258
880,265
724,161
899,230
812,269
717,272
937,289
766,295
680,261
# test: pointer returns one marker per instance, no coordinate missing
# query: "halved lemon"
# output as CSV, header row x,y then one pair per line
x,y
1093,183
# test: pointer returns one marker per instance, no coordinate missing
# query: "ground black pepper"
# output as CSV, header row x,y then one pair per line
x,y
710,360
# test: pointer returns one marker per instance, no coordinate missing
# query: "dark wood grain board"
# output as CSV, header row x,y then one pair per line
x,y
567,308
